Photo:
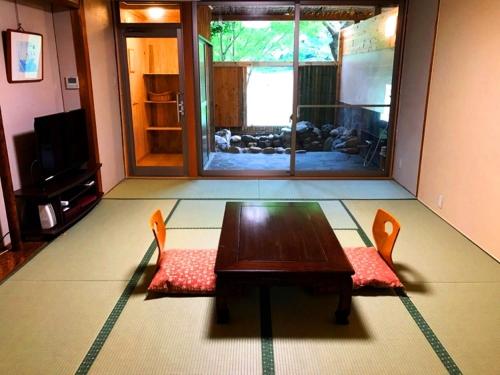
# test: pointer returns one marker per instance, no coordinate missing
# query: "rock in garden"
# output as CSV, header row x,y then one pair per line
x,y
221,143
303,127
279,150
301,151
268,150
277,143
327,146
248,138
326,129
235,139
252,144
255,150
234,150
224,133
288,150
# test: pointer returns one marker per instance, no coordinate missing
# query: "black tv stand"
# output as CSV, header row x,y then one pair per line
x,y
72,196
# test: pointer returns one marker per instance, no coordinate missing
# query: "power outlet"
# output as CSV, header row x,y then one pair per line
x,y
440,200
400,163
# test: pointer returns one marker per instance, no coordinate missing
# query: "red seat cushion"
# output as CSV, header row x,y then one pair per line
x,y
185,272
370,269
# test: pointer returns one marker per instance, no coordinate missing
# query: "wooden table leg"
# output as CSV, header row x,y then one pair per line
x,y
345,297
221,309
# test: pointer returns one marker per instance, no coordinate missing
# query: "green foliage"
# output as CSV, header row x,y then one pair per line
x,y
273,41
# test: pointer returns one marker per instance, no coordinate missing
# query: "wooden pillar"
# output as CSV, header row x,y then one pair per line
x,y
8,193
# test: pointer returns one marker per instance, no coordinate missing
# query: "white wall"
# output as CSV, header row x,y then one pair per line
x,y
66,57
461,154
420,31
105,90
21,102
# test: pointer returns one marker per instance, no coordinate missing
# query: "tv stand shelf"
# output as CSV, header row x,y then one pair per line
x,y
71,196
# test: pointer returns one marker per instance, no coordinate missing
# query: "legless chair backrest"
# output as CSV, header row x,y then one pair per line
x,y
158,227
385,241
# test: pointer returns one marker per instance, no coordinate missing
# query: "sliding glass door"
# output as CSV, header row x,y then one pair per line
x,y
305,95
345,68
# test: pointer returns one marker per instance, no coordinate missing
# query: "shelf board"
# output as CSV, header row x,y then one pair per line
x,y
164,128
161,160
160,74
160,102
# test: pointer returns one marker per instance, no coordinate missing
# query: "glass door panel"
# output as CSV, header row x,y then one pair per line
x,y
156,105
344,91
252,75
205,60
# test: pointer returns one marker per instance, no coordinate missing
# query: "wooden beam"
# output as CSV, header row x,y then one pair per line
x,y
85,79
8,193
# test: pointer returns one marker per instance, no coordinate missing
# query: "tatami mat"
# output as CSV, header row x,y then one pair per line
x,y
210,214
428,249
332,189
198,214
337,215
106,245
198,189
349,238
192,238
381,337
179,336
47,327
466,318
259,189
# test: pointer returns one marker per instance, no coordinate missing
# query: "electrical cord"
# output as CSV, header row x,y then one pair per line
x,y
1,243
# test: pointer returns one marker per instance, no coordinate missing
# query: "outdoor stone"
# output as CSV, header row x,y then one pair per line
x,y
221,143
303,127
234,150
301,151
288,150
317,132
224,133
279,150
248,138
255,150
326,129
277,143
252,144
327,146
268,150
235,139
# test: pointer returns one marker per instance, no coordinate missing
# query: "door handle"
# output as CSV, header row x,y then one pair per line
x,y
180,107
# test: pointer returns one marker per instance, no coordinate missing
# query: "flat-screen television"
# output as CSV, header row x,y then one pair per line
x,y
62,144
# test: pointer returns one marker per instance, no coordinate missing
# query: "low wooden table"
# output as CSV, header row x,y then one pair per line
x,y
280,243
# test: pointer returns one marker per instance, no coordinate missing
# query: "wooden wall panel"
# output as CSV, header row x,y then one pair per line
x,y
204,19
229,96
373,34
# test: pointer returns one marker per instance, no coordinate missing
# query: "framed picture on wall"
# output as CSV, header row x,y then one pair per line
x,y
23,56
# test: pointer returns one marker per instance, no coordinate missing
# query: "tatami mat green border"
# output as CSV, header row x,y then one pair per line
x,y
260,199
266,332
103,334
426,330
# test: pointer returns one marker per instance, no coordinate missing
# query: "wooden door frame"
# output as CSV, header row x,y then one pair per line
x,y
145,30
396,82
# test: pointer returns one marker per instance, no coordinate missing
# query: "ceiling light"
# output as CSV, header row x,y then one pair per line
x,y
390,26
155,13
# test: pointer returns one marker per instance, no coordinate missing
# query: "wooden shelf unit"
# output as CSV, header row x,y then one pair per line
x,y
74,188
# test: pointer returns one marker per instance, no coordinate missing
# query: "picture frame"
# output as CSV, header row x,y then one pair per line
x,y
23,56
